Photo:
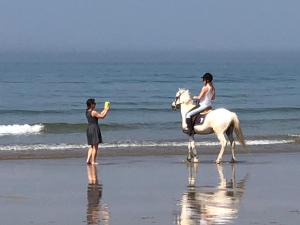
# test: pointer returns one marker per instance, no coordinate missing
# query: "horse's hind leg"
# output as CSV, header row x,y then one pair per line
x,y
229,134
223,142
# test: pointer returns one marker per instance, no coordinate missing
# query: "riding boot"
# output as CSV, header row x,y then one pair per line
x,y
190,127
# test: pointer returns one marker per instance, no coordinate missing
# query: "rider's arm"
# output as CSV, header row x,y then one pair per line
x,y
214,93
100,115
202,93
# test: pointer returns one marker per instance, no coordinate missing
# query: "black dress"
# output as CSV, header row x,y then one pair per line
x,y
93,132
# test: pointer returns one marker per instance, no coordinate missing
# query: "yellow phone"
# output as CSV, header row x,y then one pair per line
x,y
106,104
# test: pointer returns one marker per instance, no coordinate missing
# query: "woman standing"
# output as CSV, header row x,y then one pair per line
x,y
93,130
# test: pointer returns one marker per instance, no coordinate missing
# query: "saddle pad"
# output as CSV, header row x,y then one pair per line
x,y
199,119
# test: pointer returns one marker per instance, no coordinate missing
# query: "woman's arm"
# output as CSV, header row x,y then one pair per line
x,y
100,115
202,93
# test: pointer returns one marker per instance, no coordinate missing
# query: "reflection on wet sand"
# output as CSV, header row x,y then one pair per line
x,y
211,205
97,212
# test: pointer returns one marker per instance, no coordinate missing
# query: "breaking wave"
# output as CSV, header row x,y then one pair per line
x,y
63,146
17,129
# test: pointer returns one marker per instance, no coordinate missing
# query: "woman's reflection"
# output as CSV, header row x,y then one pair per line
x,y
208,205
97,213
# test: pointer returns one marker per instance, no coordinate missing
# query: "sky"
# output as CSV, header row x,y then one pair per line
x,y
104,25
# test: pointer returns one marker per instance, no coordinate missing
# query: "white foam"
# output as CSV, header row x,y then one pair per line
x,y
63,146
17,129
294,135
268,142
206,143
37,147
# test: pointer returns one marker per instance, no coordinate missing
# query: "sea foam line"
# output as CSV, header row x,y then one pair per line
x,y
17,129
62,146
294,135
180,144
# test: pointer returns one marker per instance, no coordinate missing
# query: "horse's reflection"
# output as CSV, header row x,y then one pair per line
x,y
97,212
211,205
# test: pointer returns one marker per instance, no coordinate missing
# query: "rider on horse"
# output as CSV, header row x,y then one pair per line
x,y
205,97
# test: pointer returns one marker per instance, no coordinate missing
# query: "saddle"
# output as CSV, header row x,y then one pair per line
x,y
199,118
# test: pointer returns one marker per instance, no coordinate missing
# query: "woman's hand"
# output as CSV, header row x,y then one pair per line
x,y
106,109
107,105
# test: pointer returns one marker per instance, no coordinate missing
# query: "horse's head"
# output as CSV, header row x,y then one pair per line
x,y
182,97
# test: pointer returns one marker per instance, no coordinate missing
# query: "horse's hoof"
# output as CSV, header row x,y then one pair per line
x,y
218,162
233,160
195,160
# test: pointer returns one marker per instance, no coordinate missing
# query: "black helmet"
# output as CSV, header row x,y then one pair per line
x,y
208,77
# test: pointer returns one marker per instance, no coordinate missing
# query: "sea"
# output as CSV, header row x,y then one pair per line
x,y
43,96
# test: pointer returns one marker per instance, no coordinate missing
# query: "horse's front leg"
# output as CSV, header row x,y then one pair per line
x,y
192,156
189,155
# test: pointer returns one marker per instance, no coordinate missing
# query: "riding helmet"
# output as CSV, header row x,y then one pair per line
x,y
208,77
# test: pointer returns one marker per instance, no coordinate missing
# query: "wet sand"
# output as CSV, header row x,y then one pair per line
x,y
259,189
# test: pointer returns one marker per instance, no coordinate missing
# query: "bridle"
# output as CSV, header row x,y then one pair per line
x,y
176,99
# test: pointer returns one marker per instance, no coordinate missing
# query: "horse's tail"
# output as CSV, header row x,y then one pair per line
x,y
238,130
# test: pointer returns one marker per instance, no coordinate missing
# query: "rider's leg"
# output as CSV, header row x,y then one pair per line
x,y
189,124
189,116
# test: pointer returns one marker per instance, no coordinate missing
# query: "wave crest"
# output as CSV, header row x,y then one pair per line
x,y
64,146
17,129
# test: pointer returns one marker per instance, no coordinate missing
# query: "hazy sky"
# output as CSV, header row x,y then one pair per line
x,y
101,25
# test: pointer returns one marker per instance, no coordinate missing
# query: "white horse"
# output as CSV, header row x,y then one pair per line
x,y
219,121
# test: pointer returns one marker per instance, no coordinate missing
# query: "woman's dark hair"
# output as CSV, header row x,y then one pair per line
x,y
207,77
90,102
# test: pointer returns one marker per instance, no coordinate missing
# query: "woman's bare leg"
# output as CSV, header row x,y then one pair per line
x,y
89,154
94,153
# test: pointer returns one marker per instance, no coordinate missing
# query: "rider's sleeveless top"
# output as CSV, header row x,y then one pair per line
x,y
207,98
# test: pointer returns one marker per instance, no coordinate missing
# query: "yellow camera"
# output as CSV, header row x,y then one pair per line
x,y
106,105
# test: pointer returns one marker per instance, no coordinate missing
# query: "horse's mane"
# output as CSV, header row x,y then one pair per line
x,y
181,90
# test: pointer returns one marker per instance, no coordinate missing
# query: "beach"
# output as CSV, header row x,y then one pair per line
x,y
151,189
142,177
128,77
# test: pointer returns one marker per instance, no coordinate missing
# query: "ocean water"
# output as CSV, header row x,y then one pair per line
x,y
42,103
